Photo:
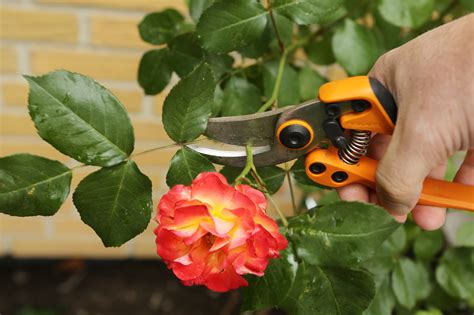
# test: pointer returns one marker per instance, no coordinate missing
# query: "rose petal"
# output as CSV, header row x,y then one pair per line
x,y
256,196
188,219
188,272
168,201
225,281
169,246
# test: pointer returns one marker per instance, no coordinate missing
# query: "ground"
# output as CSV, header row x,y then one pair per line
x,y
77,287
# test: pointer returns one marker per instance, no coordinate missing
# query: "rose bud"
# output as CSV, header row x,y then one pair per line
x,y
211,233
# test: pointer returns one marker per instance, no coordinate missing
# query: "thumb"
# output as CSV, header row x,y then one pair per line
x,y
401,172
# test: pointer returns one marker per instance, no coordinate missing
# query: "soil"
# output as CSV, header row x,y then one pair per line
x,y
77,287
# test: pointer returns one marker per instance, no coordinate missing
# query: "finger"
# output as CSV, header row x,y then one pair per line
x,y
354,192
401,171
427,217
465,174
378,146
399,218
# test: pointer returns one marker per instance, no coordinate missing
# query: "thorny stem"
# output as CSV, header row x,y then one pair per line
x,y
292,193
281,45
248,165
278,210
175,144
284,56
276,87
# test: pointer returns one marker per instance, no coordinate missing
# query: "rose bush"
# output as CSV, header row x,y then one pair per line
x,y
211,233
237,57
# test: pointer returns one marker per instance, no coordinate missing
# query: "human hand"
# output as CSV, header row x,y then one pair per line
x,y
431,79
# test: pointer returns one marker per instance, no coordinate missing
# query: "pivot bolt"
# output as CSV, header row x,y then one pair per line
x,y
317,168
339,176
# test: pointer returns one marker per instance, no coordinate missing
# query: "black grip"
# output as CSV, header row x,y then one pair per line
x,y
385,98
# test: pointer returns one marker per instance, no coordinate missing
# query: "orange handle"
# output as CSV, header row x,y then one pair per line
x,y
326,168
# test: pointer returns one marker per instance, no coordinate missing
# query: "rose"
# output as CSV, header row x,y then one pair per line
x,y
211,233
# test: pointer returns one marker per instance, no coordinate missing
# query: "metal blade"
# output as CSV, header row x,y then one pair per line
x,y
259,130
256,129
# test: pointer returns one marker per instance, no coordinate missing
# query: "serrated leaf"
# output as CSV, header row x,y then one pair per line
x,y
465,234
80,118
272,176
340,234
355,48
320,52
231,25
427,244
154,72
188,106
240,98
307,11
409,282
299,288
455,273
197,7
32,185
185,165
115,202
289,89
217,103
387,254
406,13
185,53
384,300
219,63
159,27
309,81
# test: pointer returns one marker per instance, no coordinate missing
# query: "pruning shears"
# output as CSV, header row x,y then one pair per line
x,y
333,133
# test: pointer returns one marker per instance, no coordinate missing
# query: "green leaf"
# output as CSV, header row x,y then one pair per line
x,y
231,25
388,35
410,282
289,89
154,72
384,300
217,103
340,234
188,106
115,202
427,244
355,48
219,63
272,176
159,27
455,273
80,118
465,234
32,185
406,13
197,7
468,5
284,26
185,53
320,51
299,288
309,81
185,165
240,98
307,11
328,197
387,254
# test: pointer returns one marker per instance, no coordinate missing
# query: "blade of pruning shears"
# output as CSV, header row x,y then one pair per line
x,y
230,135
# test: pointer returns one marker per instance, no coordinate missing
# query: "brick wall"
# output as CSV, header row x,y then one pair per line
x,y
97,38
